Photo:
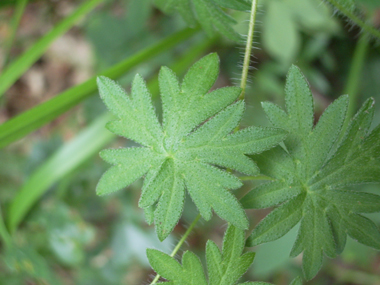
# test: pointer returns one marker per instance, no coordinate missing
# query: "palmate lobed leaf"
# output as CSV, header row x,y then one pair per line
x,y
224,268
182,153
208,13
312,175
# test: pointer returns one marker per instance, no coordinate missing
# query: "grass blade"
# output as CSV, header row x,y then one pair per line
x,y
19,11
4,234
26,60
66,159
36,117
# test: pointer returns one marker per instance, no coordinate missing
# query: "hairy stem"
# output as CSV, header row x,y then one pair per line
x,y
248,49
359,22
243,84
179,244
18,12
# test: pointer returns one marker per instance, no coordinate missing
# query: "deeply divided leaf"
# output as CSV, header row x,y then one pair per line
x,y
312,174
224,268
188,150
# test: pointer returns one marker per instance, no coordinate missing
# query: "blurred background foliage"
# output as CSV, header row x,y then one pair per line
x,y
65,233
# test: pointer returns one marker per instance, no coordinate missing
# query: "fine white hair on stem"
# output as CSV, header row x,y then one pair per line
x,y
354,17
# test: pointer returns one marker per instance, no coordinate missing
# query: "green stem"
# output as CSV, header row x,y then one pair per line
x,y
19,11
179,244
243,84
4,234
25,61
248,49
354,76
359,22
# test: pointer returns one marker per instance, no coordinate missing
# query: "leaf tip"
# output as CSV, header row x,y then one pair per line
x,y
214,57
294,68
101,80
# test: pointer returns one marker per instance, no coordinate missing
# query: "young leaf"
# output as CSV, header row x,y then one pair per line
x,y
224,268
315,170
207,12
180,154
296,281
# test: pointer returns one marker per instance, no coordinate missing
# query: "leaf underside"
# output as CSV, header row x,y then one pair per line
x,y
224,268
182,153
208,13
313,175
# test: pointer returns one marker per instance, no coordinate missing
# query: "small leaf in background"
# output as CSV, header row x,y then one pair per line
x,y
129,243
208,13
284,21
27,262
312,177
177,155
313,16
67,233
280,35
296,281
224,268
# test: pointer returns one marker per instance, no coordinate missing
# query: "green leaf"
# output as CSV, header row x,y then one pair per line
x,y
73,154
319,166
256,283
338,229
280,36
67,158
176,155
149,214
236,4
296,281
316,237
279,222
208,196
234,265
269,194
362,229
170,204
139,110
207,13
224,268
165,265
139,162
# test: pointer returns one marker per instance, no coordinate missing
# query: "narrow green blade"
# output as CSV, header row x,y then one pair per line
x,y
26,60
62,162
36,117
